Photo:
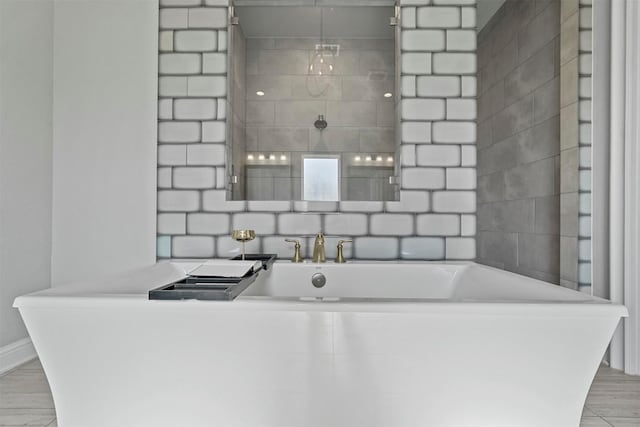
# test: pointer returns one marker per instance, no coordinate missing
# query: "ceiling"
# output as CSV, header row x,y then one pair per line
x,y
304,21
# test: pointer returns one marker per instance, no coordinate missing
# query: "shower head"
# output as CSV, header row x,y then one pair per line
x,y
321,123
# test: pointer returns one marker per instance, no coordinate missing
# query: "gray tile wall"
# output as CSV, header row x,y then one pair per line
x,y
237,110
569,143
519,139
435,217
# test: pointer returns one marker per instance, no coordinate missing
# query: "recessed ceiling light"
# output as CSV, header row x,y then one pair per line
x,y
261,93
388,95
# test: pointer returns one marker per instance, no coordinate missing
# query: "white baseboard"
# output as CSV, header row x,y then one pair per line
x,y
15,354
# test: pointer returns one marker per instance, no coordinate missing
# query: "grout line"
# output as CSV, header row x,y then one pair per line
x,y
605,420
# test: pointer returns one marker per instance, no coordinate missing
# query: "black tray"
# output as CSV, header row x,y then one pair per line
x,y
213,288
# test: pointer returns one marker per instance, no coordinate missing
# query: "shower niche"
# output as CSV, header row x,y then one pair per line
x,y
313,95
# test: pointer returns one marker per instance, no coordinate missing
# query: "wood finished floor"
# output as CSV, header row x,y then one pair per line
x,y
25,399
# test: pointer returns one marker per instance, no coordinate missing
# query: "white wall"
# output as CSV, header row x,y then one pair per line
x,y
25,156
104,136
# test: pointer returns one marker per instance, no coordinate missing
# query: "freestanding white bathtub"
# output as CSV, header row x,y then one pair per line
x,y
381,344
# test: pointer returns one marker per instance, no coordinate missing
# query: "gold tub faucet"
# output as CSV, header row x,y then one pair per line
x,y
318,249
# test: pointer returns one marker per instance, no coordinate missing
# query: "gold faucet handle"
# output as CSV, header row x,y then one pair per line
x,y
296,255
340,257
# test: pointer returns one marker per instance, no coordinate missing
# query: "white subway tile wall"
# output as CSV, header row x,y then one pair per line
x,y
435,216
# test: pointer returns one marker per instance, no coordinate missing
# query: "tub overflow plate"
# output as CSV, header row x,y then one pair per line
x,y
318,280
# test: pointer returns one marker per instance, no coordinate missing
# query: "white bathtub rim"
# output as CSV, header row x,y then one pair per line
x,y
269,304
132,288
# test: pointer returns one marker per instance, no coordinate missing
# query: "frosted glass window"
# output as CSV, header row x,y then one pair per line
x,y
321,178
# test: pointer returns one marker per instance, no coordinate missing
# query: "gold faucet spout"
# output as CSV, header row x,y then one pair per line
x,y
318,249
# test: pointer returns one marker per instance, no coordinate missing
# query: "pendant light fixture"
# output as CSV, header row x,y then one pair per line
x,y
322,62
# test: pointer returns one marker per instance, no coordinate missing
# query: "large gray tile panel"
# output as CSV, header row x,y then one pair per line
x,y
547,213
278,62
530,75
569,39
539,252
569,133
540,31
251,138
523,12
361,88
551,277
296,113
351,113
569,170
377,140
505,60
283,139
274,87
543,141
569,214
516,117
506,29
484,106
568,7
377,60
499,247
386,114
517,215
336,139
485,133
260,112
497,99
491,187
531,180
546,101
569,258
489,218
347,64
569,82
500,156
484,46
514,216
315,87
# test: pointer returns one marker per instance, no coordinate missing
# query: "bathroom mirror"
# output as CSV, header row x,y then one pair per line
x,y
312,104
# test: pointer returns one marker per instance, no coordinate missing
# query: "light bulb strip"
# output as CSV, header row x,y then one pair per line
x,y
354,159
268,158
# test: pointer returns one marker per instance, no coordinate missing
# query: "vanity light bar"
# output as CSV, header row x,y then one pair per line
x,y
356,159
267,159
371,160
